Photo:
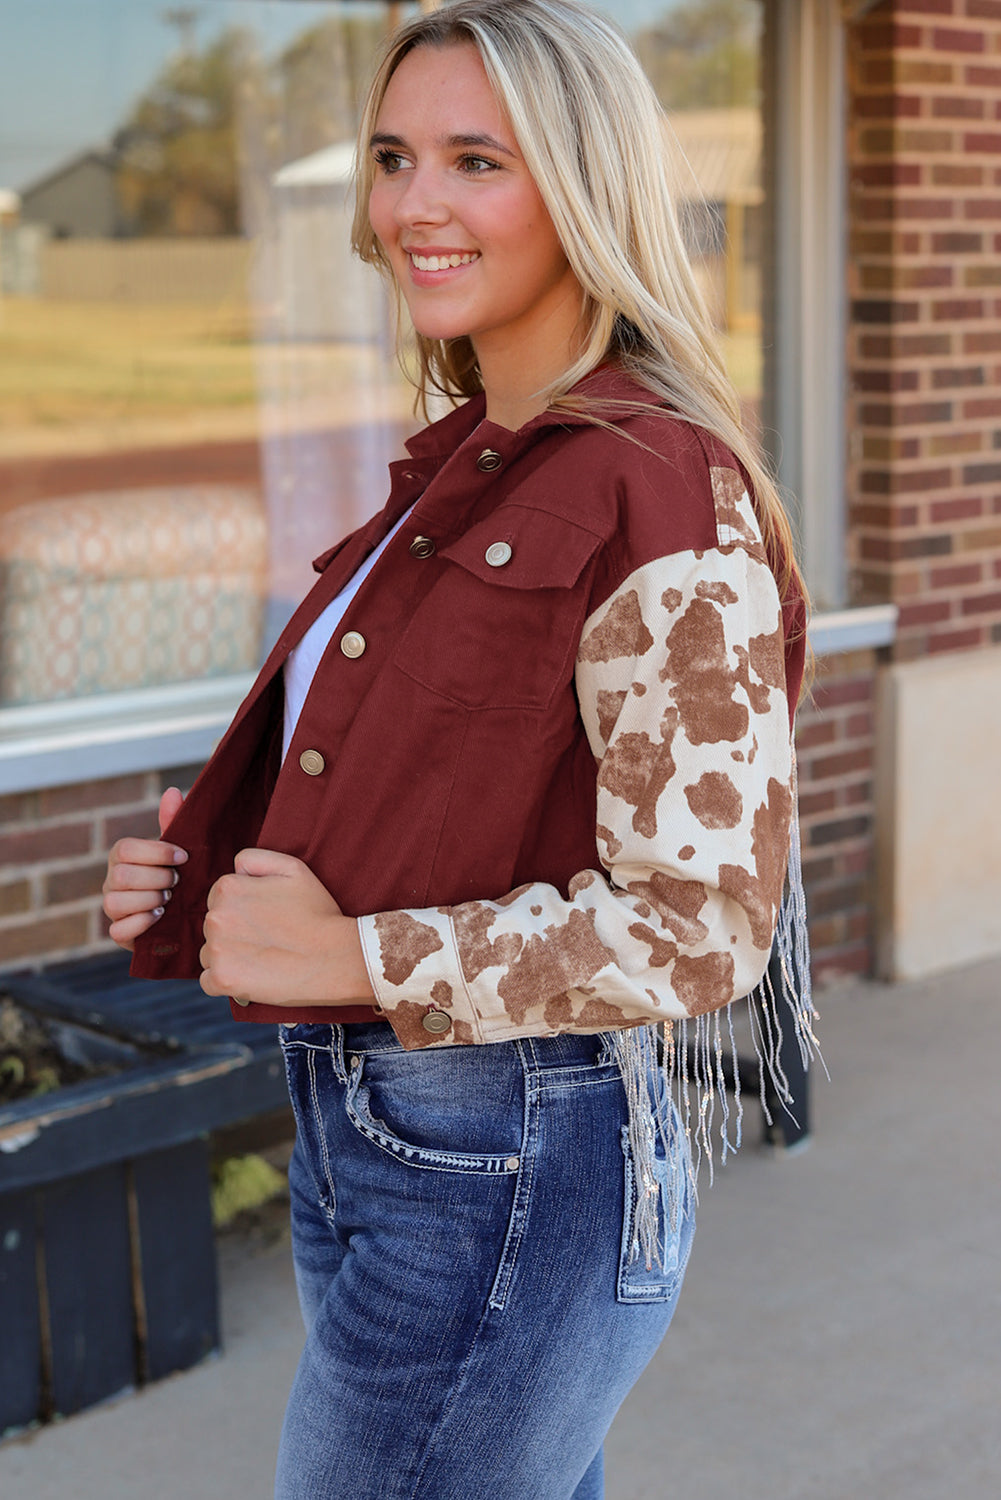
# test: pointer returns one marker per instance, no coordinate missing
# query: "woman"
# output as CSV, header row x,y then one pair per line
x,y
571,603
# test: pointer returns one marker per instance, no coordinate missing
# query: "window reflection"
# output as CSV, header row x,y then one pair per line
x,y
704,59
198,389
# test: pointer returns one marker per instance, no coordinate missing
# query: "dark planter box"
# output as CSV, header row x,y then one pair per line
x,y
107,1256
107,1260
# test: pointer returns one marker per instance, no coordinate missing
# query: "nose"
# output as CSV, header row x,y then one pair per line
x,y
422,199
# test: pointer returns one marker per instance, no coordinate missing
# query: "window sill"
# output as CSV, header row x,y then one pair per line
x,y
115,734
153,729
837,631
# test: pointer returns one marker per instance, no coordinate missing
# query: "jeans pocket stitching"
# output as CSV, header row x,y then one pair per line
x,y
554,1080
329,1206
520,1205
424,1157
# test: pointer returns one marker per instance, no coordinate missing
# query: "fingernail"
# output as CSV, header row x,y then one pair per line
x,y
158,911
167,895
179,856
175,876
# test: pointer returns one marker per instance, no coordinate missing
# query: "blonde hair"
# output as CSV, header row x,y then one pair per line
x,y
597,143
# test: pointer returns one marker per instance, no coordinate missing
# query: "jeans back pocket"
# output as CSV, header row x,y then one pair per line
x,y
660,1281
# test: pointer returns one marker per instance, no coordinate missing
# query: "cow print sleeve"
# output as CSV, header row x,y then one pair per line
x,y
681,684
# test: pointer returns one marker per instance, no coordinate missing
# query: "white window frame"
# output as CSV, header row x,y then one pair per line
x,y
805,363
805,376
116,734
52,744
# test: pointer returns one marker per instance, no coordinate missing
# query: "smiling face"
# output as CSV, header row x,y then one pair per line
x,y
461,221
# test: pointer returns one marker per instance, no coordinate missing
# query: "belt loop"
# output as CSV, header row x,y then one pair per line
x,y
337,1053
529,1059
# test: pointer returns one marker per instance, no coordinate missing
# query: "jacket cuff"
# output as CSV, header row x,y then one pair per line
x,y
414,968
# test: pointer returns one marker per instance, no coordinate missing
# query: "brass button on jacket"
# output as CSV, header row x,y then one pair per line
x,y
436,1022
312,762
498,554
489,460
353,644
422,546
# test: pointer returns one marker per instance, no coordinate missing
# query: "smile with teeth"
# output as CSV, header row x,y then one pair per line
x,y
442,262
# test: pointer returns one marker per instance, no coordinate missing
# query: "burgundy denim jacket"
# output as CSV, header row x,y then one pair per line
x,y
546,759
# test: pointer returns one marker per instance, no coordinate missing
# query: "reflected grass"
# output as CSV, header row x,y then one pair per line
x,y
73,365
95,372
66,362
742,356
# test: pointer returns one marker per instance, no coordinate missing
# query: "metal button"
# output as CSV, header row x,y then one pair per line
x,y
353,644
436,1022
244,1003
489,460
422,546
512,1164
312,762
498,553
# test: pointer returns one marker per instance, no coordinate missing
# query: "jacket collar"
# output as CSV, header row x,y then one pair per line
x,y
606,384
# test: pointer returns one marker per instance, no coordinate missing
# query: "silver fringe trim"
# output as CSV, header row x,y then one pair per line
x,y
684,1075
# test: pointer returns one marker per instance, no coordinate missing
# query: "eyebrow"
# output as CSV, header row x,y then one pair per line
x,y
449,142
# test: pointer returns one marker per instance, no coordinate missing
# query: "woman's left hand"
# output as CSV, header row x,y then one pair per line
x,y
274,935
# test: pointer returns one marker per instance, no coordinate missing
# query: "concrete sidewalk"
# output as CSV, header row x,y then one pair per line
x,y
839,1335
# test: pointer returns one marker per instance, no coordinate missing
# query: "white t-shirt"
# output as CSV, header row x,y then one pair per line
x,y
303,660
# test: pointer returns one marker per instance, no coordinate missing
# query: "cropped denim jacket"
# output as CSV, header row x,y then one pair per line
x,y
546,759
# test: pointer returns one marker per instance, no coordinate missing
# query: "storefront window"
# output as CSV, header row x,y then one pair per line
x,y
704,59
198,390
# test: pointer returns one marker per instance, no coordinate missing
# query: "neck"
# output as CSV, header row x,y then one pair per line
x,y
518,371
511,409
520,391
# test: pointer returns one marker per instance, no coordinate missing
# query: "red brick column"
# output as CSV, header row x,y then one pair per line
x,y
925,330
836,752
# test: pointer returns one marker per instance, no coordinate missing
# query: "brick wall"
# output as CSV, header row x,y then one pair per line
x,y
925,333
836,751
54,843
53,853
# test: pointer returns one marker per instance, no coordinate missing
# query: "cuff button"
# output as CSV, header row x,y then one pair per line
x,y
436,1022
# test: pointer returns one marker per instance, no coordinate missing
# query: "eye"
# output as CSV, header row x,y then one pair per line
x,y
477,166
388,161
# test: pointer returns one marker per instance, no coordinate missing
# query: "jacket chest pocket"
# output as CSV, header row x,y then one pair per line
x,y
500,627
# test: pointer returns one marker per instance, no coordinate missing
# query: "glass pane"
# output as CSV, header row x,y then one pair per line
x,y
198,389
704,59
196,386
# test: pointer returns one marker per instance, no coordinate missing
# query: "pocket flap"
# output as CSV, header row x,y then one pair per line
x,y
519,547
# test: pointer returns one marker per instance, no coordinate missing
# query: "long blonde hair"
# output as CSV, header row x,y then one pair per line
x,y
597,143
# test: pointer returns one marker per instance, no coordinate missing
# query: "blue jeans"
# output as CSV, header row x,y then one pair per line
x,y
462,1234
